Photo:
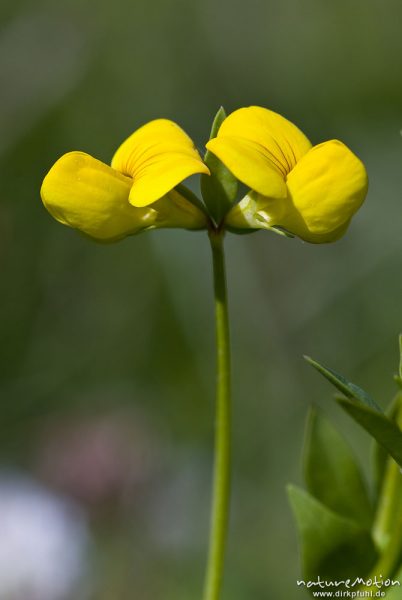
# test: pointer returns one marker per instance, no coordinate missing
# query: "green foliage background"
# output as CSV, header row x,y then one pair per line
x,y
86,329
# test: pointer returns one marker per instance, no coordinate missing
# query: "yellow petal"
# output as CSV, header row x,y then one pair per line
x,y
84,193
158,156
251,164
268,139
326,188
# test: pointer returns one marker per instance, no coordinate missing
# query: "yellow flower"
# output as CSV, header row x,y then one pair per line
x,y
135,193
310,191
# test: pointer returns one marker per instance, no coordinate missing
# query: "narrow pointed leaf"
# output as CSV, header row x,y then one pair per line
x,y
219,189
343,385
331,471
378,425
217,122
332,547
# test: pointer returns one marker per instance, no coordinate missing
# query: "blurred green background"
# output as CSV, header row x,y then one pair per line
x,y
107,352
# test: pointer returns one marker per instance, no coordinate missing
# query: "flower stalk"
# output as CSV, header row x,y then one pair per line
x,y
221,477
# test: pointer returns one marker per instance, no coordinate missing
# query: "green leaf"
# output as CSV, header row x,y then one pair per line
x,y
378,425
219,189
217,122
332,547
331,472
343,385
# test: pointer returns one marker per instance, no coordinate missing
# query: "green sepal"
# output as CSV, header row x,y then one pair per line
x,y
240,231
333,547
331,472
378,425
281,231
350,390
219,189
191,197
275,228
247,230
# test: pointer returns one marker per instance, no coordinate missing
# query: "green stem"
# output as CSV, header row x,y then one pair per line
x,y
389,506
387,528
388,531
221,479
389,503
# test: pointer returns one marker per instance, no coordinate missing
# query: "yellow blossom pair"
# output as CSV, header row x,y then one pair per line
x,y
310,191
